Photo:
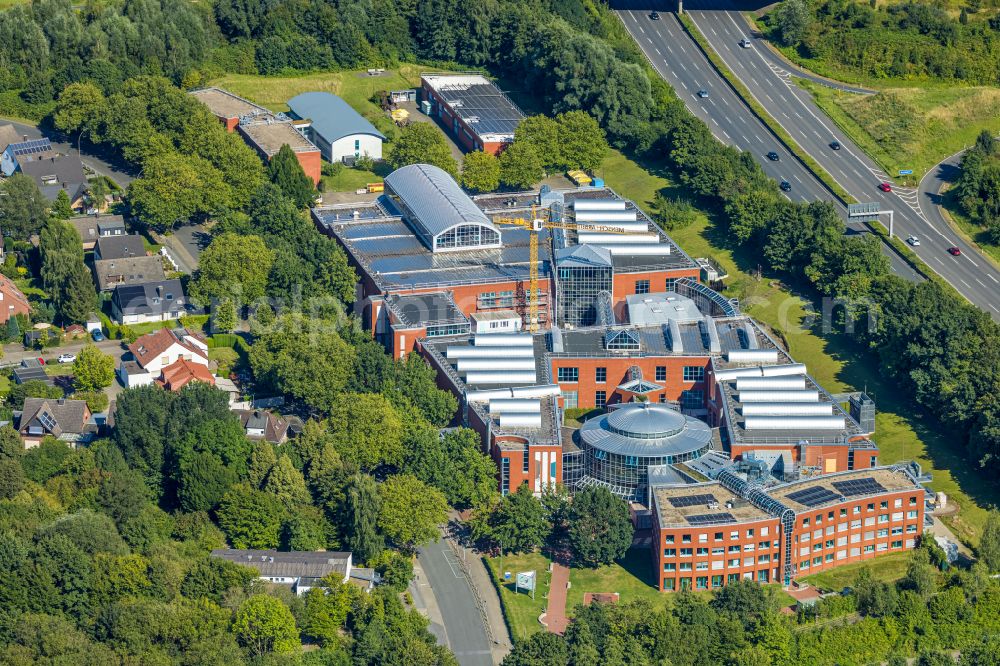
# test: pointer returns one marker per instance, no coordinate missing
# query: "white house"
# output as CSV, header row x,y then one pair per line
x,y
300,570
153,352
334,127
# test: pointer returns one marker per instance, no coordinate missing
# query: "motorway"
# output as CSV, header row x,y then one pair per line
x,y
464,630
679,60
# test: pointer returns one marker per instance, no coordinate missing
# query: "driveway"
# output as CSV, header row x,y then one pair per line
x,y
120,173
15,353
185,245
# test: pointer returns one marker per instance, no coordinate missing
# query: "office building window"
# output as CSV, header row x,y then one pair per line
x,y
642,286
600,399
694,373
526,461
661,373
670,284
692,399
600,375
568,374
569,399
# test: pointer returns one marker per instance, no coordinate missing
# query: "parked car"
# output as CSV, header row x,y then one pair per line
x,y
954,251
745,43
66,358
97,336
785,186
655,16
773,156
913,240
703,94
41,361
835,145
885,187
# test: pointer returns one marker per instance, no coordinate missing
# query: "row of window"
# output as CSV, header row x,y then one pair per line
x,y
718,536
701,582
884,504
643,286
720,550
854,552
690,373
734,563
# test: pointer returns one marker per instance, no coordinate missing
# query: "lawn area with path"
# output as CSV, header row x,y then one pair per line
x,y
837,360
519,608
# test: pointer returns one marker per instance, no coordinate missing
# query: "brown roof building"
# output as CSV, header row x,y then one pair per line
x,y
12,300
226,106
182,372
267,134
261,424
68,420
128,270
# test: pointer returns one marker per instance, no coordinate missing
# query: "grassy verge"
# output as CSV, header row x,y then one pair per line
x,y
975,233
349,180
520,610
886,567
762,113
911,128
838,360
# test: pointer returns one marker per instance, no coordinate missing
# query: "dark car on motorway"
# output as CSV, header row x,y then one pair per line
x,y
954,251
835,145
785,186
655,16
773,156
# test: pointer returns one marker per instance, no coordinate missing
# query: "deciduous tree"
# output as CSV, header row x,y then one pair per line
x,y
410,512
520,166
232,268
263,625
93,369
23,209
421,143
600,530
480,172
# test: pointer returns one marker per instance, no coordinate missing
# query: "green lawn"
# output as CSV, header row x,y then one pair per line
x,y
838,361
632,578
53,369
912,127
226,357
519,608
349,180
885,567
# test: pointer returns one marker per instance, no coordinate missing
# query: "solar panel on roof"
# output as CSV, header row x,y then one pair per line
x,y
46,420
692,500
854,487
813,496
711,518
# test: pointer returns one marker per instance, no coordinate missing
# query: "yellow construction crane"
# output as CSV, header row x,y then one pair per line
x,y
535,224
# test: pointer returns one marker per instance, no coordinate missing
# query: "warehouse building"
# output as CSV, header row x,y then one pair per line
x,y
226,106
267,133
707,535
335,127
477,113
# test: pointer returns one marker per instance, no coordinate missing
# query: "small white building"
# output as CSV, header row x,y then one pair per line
x,y
300,570
335,127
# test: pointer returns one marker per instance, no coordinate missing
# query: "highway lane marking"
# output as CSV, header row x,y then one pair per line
x,y
657,51
994,307
967,285
769,97
730,138
683,66
972,260
640,29
714,121
745,139
684,84
980,282
797,179
448,560
993,278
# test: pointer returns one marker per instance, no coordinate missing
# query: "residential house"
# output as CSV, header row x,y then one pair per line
x,y
69,421
57,172
182,372
260,424
161,300
119,247
301,571
92,227
152,353
9,135
12,300
23,151
111,273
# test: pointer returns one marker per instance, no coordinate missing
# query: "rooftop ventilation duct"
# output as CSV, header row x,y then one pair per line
x,y
788,409
734,373
714,346
789,369
522,405
472,364
676,343
751,335
521,420
752,356
601,216
779,396
658,249
598,227
489,352
503,340
793,422
535,391
599,204
487,395
499,376
745,383
597,238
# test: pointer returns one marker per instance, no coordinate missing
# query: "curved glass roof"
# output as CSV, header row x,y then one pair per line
x,y
646,429
434,204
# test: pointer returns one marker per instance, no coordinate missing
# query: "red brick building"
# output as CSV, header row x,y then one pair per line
x,y
711,534
12,301
267,134
474,111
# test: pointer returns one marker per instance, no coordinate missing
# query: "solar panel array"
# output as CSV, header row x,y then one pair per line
x,y
711,518
813,496
46,420
855,487
33,146
692,500
484,107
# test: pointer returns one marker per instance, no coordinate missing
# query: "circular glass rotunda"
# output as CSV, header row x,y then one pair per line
x,y
620,445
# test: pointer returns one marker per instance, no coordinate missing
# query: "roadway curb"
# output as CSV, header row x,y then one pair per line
x,y
793,148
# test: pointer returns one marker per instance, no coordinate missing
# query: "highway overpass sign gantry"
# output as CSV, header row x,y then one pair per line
x,y
868,212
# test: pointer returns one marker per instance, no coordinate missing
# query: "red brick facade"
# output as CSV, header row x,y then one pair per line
x,y
670,368
312,164
460,131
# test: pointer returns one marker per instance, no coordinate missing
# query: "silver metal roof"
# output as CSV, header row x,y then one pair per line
x,y
332,118
435,201
646,429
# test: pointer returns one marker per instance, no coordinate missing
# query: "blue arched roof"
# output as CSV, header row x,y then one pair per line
x,y
332,118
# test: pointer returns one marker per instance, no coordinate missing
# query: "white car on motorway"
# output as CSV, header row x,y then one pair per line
x,y
913,240
66,358
745,43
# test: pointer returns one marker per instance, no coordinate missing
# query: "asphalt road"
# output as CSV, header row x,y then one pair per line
x,y
463,620
681,63
974,276
98,164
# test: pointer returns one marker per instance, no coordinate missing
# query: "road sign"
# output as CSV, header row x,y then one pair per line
x,y
868,212
905,172
525,580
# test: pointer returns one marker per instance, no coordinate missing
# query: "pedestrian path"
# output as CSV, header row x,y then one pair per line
x,y
555,615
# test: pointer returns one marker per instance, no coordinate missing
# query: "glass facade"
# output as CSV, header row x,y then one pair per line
x,y
467,235
572,463
694,373
447,329
626,475
568,374
579,287
642,286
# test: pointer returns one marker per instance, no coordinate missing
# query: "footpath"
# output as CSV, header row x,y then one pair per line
x,y
555,614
